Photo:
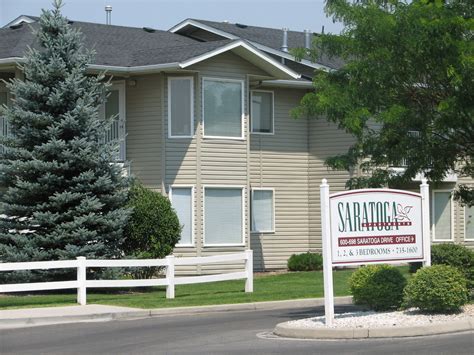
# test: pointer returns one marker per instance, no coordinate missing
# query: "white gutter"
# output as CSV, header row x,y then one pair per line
x,y
11,60
142,69
288,84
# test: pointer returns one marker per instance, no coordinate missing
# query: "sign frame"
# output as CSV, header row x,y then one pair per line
x,y
327,237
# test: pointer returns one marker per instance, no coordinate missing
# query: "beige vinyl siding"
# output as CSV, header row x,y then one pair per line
x,y
209,161
144,129
325,140
280,161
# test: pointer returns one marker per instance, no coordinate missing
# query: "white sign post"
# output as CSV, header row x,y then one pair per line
x,y
372,226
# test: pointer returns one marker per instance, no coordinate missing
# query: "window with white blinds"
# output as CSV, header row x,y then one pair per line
x,y
223,216
442,215
222,108
180,107
262,112
262,208
115,107
182,201
469,223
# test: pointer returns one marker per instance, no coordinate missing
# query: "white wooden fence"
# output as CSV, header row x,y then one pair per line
x,y
81,264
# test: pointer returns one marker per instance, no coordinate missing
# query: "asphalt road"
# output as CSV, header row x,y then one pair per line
x,y
222,333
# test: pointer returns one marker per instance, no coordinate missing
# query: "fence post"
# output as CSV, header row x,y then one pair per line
x,y
170,276
81,281
249,271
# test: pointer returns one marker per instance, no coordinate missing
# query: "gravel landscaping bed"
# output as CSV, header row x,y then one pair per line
x,y
370,319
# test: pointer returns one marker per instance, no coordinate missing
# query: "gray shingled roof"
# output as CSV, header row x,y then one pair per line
x,y
115,45
270,37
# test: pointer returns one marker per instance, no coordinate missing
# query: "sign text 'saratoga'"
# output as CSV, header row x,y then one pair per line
x,y
376,225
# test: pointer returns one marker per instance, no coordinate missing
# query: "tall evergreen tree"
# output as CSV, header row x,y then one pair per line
x,y
64,197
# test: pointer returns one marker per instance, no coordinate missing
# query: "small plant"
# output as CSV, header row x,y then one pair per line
x,y
436,289
305,262
457,256
152,230
380,287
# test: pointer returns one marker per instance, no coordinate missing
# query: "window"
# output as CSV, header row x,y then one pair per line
x,y
180,107
262,112
115,107
263,214
223,216
442,215
223,108
469,222
182,201
3,120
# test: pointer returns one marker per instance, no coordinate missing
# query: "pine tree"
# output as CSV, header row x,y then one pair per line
x,y
64,197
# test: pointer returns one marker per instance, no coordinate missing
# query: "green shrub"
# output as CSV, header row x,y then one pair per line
x,y
152,230
380,287
305,262
457,256
438,289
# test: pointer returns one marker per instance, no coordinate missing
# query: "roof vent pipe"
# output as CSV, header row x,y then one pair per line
x,y
284,46
108,14
307,39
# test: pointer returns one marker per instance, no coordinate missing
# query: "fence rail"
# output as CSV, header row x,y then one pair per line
x,y
170,280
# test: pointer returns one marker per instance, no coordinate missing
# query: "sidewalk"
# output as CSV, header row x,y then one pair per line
x,y
30,317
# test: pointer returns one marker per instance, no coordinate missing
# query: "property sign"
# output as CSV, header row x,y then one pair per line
x,y
376,225
372,226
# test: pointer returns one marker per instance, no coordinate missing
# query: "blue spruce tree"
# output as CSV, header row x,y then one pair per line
x,y
63,195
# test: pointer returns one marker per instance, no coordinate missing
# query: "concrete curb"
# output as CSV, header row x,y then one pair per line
x,y
28,321
291,331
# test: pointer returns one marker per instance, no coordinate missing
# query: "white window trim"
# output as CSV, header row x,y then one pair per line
x,y
192,187
273,209
242,118
120,86
242,244
465,227
170,79
433,216
273,113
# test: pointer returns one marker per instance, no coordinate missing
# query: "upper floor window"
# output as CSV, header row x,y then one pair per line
x,y
115,107
262,115
223,108
180,107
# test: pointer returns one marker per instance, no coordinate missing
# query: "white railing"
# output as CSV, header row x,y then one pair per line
x,y
170,279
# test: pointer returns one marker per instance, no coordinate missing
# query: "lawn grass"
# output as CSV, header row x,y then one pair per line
x,y
272,287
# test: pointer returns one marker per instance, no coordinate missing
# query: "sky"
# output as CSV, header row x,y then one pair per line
x,y
296,15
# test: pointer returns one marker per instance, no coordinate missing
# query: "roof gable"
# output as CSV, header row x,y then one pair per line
x,y
266,39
